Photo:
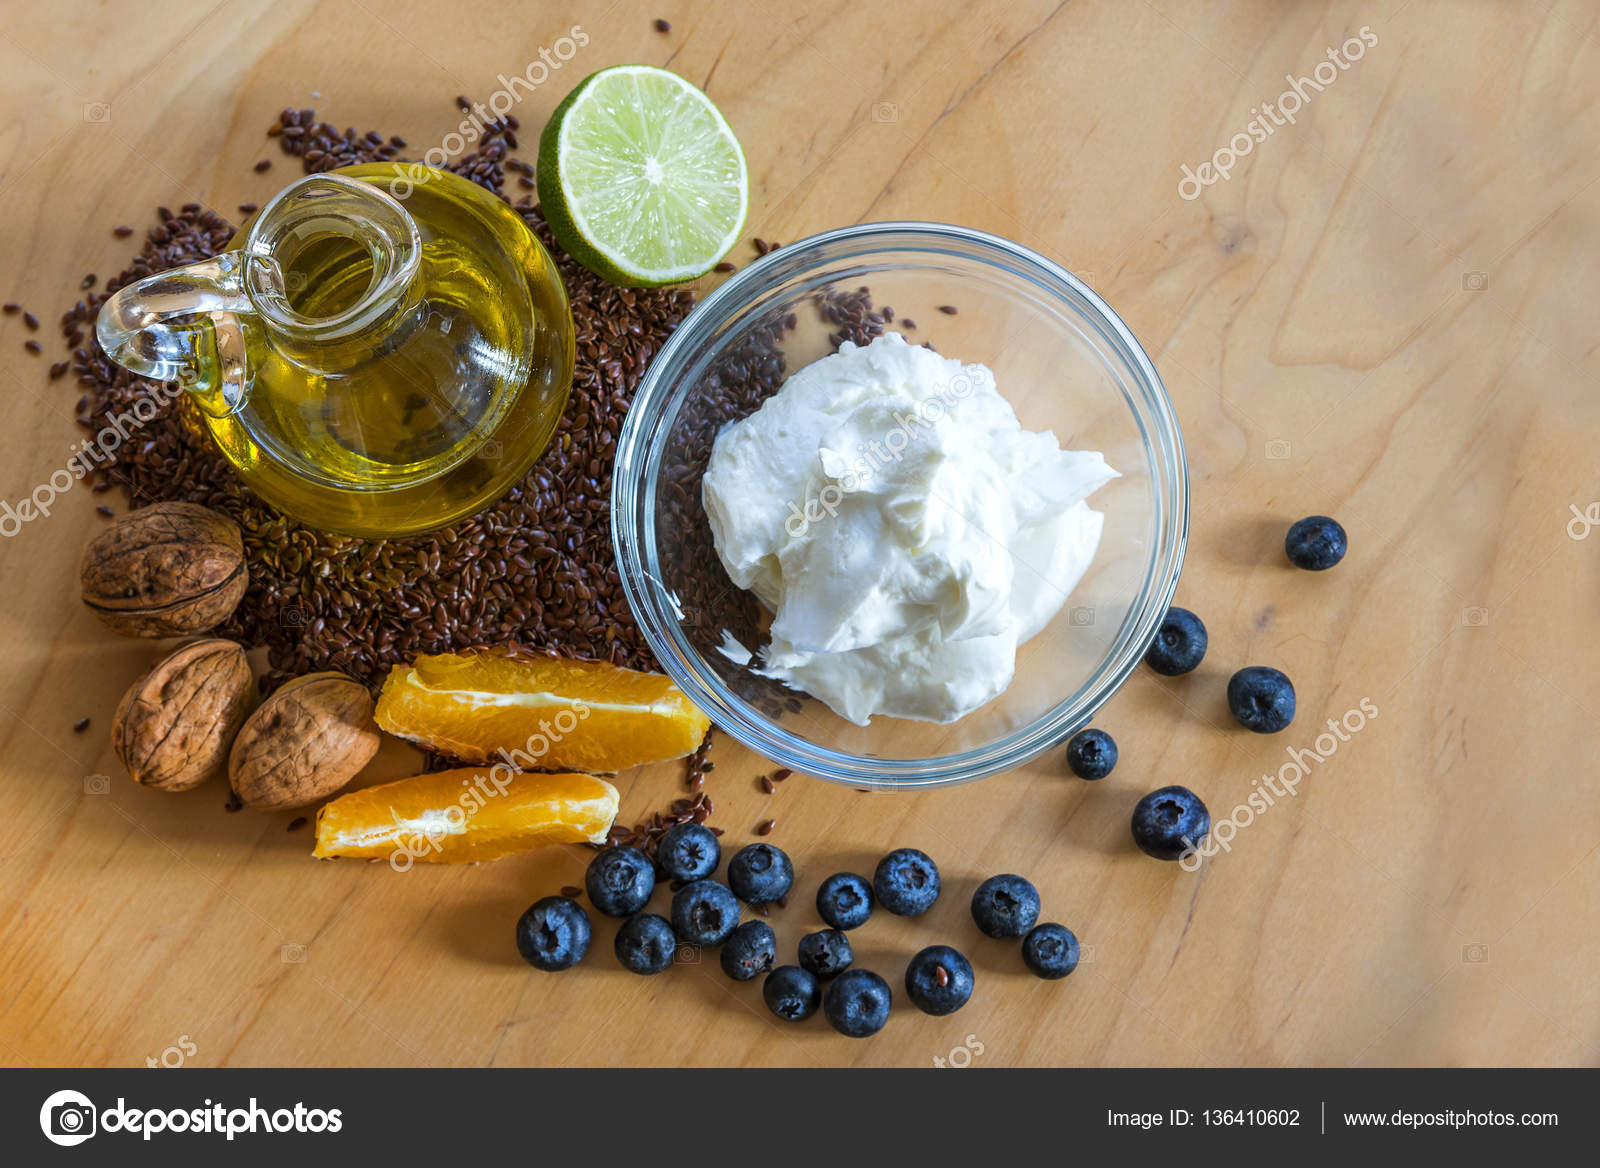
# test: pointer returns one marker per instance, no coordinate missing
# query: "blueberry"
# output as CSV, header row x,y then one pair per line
x,y
619,881
750,949
826,953
844,900
704,913
1315,543
791,993
1005,906
553,934
1180,643
760,873
857,1003
1168,822
1091,754
939,980
1050,951
906,882
1262,699
688,852
645,943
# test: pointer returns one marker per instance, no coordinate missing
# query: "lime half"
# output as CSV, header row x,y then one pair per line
x,y
641,178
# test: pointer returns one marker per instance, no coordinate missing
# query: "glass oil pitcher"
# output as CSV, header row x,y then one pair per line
x,y
370,365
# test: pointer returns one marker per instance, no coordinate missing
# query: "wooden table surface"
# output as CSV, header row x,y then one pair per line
x,y
1386,313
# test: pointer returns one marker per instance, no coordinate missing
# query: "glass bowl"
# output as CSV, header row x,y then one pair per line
x,y
1065,362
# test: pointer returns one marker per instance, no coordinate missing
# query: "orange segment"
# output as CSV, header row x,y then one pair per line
x,y
545,713
456,817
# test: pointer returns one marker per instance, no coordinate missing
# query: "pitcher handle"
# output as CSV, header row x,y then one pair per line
x,y
183,326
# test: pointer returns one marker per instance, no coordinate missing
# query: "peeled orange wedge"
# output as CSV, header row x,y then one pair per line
x,y
539,713
461,816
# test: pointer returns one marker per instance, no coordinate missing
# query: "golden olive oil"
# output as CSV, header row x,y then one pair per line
x,y
385,404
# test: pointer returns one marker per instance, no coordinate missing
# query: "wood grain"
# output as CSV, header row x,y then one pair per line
x,y
1385,314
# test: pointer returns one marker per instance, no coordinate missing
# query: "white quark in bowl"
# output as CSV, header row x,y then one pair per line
x,y
900,568
902,528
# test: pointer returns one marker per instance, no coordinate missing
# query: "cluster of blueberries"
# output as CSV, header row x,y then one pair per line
x,y
554,934
1170,821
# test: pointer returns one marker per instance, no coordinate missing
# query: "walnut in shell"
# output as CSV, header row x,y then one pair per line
x,y
170,569
303,743
173,727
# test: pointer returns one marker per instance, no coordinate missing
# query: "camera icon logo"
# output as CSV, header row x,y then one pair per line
x,y
1475,281
96,784
1278,449
1475,955
885,111
97,113
491,449
292,617
1082,618
67,1118
292,954
1475,617
687,955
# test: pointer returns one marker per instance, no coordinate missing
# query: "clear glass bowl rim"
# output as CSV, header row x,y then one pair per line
x,y
666,387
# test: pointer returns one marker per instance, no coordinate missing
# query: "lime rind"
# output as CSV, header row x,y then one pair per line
x,y
641,177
